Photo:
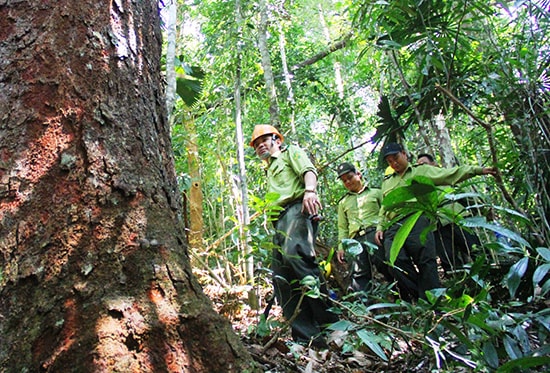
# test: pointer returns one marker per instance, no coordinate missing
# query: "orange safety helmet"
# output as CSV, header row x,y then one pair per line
x,y
262,130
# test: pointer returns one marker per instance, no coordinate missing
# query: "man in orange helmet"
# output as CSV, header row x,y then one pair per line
x,y
292,176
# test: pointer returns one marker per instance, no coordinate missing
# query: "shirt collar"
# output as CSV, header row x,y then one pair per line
x,y
364,188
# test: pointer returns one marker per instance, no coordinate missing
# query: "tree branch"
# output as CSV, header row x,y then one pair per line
x,y
319,56
492,148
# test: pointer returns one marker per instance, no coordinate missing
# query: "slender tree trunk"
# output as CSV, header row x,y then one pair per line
x,y
95,275
287,76
266,65
336,65
171,13
443,139
242,202
196,223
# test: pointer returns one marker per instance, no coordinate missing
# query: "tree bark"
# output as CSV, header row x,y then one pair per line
x,y
443,140
319,56
171,16
196,222
243,215
336,65
95,275
266,65
287,76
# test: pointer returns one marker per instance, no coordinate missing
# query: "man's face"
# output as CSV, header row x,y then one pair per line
x,y
265,145
398,162
352,181
425,160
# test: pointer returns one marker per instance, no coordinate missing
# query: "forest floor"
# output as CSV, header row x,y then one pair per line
x,y
271,345
281,354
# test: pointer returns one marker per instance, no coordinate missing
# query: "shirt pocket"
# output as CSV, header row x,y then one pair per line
x,y
278,173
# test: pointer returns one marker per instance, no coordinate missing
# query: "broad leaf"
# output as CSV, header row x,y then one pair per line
x,y
524,363
369,339
480,222
540,273
401,236
512,348
352,247
544,252
490,354
341,325
515,274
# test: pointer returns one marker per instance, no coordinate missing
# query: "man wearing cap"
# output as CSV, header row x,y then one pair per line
x,y
292,176
357,219
415,266
454,245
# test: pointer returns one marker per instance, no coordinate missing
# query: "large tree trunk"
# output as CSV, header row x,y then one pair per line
x,y
94,273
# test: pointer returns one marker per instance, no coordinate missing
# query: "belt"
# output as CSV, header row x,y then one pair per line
x,y
286,207
364,231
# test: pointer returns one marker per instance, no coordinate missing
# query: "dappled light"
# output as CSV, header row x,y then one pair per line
x,y
310,253
124,35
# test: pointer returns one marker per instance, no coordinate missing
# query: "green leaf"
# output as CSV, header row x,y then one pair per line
x,y
523,339
309,281
512,348
523,363
352,247
330,254
341,325
189,83
490,354
512,213
545,288
515,274
480,222
480,321
369,339
458,333
434,294
402,234
544,252
540,273
378,306
271,197
419,187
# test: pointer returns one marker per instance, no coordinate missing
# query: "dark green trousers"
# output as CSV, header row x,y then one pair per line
x,y
363,264
293,259
415,268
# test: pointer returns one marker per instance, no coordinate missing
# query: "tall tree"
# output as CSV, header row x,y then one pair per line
x,y
171,13
266,64
243,215
94,269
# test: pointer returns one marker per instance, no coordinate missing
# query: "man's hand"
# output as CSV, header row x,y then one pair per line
x,y
311,204
340,256
379,237
489,171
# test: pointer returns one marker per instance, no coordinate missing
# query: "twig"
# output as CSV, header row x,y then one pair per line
x,y
287,324
376,321
205,266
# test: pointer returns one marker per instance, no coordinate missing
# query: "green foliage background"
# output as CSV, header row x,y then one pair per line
x,y
402,60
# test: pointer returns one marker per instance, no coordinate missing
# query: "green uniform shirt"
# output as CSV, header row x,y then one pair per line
x,y
358,210
285,174
439,176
